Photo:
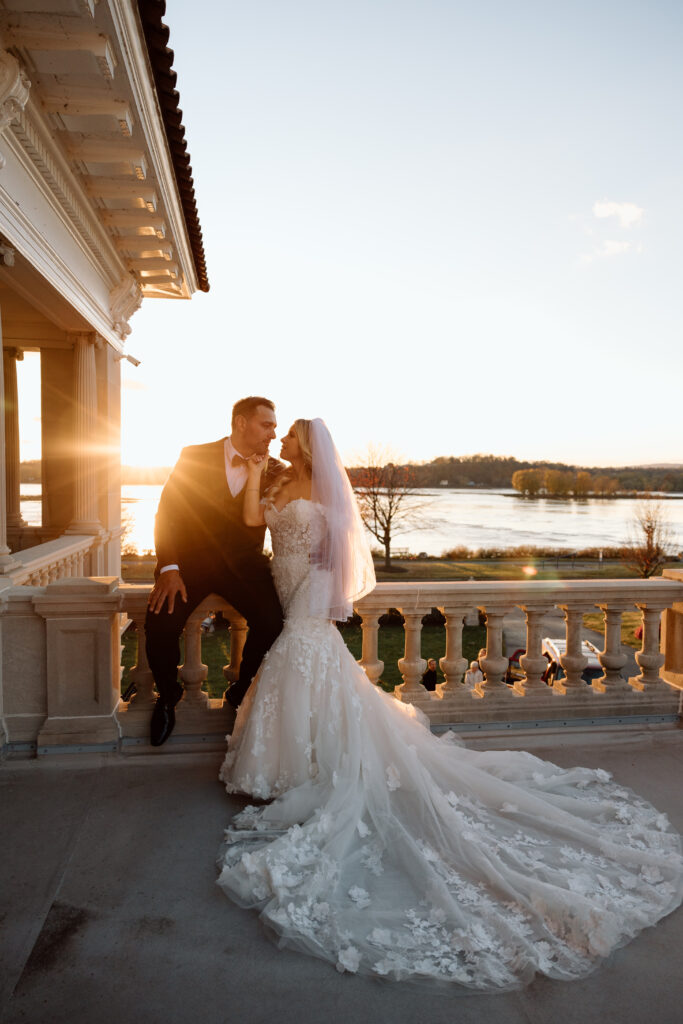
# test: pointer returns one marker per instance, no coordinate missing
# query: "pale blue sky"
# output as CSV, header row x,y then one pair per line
x,y
398,202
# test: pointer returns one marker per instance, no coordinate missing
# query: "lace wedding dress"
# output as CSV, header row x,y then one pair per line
x,y
390,852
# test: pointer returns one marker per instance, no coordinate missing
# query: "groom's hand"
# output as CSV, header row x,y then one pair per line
x,y
167,588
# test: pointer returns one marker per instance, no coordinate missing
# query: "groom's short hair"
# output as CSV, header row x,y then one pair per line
x,y
247,406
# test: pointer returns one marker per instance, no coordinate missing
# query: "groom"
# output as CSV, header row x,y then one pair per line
x,y
203,547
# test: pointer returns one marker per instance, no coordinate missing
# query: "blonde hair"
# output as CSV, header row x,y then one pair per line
x,y
302,429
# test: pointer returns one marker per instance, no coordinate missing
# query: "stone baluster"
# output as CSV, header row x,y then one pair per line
x,y
495,664
369,658
238,638
193,671
532,661
453,665
612,659
412,665
649,657
573,660
14,520
86,518
141,674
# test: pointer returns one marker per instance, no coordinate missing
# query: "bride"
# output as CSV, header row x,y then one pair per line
x,y
391,852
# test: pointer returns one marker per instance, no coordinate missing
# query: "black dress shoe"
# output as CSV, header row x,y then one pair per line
x,y
232,698
163,717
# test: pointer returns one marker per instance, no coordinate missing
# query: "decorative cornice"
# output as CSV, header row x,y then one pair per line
x,y
41,154
14,89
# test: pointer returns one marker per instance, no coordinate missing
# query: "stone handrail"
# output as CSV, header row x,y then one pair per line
x,y
54,560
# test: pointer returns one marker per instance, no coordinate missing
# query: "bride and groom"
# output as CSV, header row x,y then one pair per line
x,y
375,845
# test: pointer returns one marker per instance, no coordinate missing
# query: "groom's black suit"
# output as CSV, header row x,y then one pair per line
x,y
199,527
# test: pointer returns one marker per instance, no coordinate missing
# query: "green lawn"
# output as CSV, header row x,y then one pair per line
x,y
140,570
216,648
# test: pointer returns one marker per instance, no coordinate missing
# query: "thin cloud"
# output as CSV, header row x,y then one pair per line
x,y
628,214
610,248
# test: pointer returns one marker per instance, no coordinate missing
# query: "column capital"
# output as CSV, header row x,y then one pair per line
x,y
82,338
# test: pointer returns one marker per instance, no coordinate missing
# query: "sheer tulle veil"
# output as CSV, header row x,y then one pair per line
x,y
343,552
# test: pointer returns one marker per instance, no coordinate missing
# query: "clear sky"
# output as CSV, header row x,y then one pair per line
x,y
445,226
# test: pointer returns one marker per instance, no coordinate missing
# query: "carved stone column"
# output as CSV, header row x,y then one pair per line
x,y
573,661
649,658
453,665
238,638
495,663
193,671
10,357
533,661
412,664
369,658
612,659
86,518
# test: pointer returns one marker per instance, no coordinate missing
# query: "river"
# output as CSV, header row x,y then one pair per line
x,y
473,518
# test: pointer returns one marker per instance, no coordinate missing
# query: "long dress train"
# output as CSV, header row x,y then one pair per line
x,y
391,852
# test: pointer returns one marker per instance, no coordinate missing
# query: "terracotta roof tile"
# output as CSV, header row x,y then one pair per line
x,y
161,58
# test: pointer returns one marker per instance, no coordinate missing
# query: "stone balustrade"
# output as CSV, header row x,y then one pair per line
x,y
63,558
61,661
652,695
21,537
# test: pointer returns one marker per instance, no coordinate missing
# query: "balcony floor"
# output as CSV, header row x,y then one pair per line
x,y
111,912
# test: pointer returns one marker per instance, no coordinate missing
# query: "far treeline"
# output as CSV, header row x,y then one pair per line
x,y
554,478
491,471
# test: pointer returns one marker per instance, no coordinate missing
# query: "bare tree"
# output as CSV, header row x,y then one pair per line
x,y
386,497
650,545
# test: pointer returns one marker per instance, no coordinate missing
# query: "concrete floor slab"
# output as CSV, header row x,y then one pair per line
x,y
112,913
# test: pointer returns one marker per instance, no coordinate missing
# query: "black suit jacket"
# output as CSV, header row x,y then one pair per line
x,y
199,523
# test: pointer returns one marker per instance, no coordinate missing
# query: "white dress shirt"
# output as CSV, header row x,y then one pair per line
x,y
235,475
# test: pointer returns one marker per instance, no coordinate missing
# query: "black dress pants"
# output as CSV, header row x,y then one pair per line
x,y
251,593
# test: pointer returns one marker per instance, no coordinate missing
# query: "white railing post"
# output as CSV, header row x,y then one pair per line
x,y
495,664
238,638
532,661
369,658
193,671
612,658
141,673
573,661
648,658
453,664
412,665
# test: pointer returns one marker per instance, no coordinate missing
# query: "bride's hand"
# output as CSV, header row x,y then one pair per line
x,y
256,466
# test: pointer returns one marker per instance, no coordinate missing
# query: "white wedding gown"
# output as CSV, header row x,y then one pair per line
x,y
391,852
